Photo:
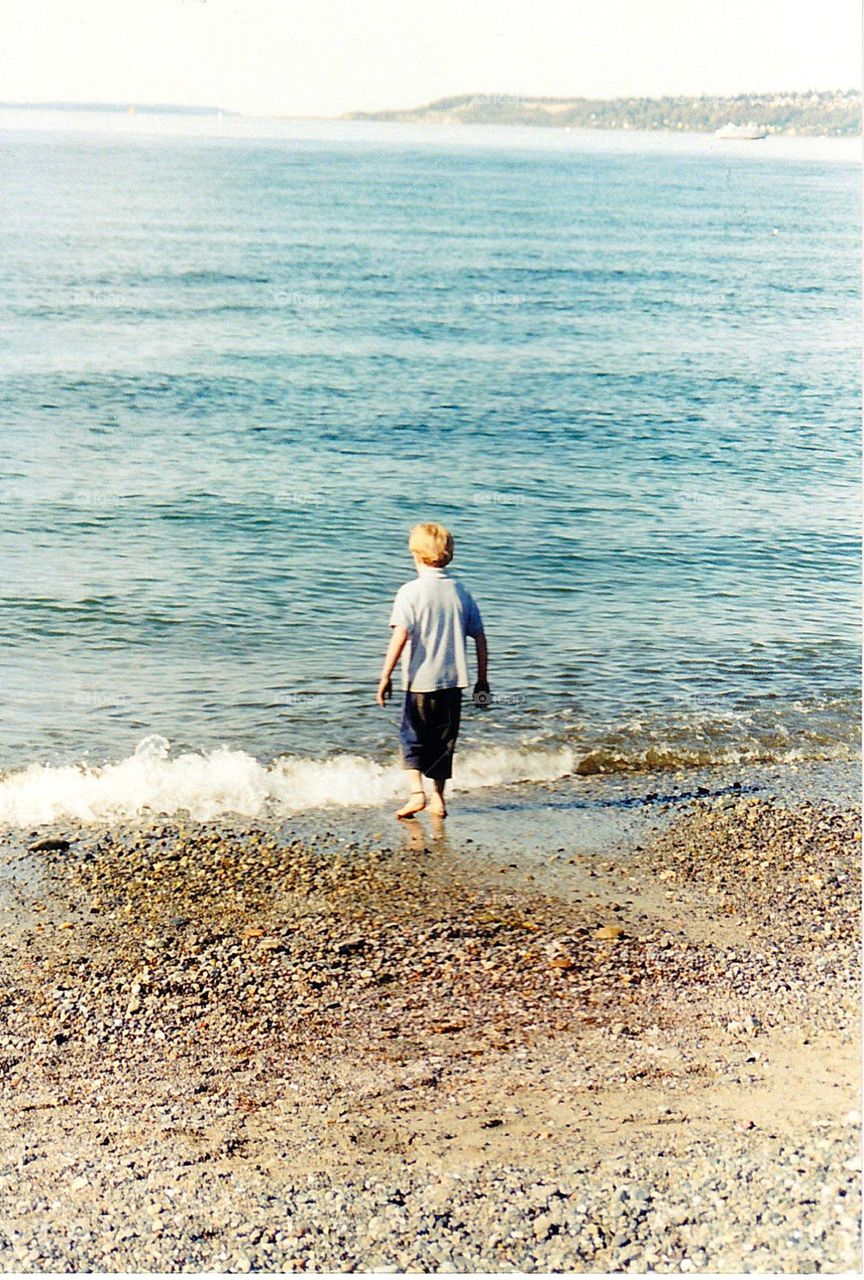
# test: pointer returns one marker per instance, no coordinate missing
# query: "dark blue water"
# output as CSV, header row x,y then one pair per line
x,y
236,371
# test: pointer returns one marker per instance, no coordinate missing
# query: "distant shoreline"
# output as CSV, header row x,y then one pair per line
x,y
824,114
118,108
829,114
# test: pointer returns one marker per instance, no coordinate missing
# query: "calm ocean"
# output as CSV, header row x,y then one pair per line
x,y
237,367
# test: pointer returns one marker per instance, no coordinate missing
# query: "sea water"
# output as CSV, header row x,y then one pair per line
x,y
240,360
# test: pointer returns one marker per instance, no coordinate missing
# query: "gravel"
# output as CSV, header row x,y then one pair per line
x,y
226,1048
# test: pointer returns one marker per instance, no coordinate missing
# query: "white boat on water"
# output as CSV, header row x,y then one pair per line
x,y
745,132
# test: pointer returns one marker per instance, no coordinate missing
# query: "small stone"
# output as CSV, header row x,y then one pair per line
x,y
542,1226
609,933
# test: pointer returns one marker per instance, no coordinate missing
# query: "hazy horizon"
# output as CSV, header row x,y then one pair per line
x,y
216,107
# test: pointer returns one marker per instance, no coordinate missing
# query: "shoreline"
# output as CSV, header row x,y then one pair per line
x,y
241,1046
429,116
832,148
231,785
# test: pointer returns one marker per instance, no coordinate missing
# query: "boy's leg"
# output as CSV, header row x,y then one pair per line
x,y
436,804
411,761
448,713
417,799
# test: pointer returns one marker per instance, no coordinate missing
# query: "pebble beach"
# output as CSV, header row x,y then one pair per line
x,y
234,1047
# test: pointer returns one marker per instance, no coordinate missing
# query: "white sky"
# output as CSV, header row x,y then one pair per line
x,y
305,57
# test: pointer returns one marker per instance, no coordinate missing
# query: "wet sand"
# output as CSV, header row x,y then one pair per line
x,y
608,1025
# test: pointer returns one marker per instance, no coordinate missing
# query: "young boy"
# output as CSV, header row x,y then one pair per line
x,y
431,618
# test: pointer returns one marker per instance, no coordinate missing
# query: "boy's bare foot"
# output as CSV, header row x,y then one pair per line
x,y
415,803
437,807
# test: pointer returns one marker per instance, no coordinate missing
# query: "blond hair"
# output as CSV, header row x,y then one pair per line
x,y
431,543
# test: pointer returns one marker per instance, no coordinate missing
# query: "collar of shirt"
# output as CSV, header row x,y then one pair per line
x,y
433,569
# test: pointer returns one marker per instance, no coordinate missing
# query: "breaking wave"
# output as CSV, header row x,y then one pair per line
x,y
226,781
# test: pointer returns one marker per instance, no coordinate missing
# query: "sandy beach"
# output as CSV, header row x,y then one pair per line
x,y
264,1046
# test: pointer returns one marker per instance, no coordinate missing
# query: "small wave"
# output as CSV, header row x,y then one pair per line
x,y
659,758
227,781
210,784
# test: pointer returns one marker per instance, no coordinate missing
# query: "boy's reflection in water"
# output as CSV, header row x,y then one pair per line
x,y
420,839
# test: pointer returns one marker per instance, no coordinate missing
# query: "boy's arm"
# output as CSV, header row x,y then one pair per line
x,y
394,649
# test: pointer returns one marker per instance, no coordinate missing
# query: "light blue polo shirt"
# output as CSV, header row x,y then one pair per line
x,y
438,613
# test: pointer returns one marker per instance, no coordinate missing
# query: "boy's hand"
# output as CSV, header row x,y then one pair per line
x,y
482,695
398,641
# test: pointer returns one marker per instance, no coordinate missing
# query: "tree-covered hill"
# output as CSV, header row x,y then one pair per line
x,y
809,114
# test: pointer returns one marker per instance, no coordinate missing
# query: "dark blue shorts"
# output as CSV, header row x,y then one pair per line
x,y
429,729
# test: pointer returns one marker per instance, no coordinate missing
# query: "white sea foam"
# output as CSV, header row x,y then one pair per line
x,y
211,784
227,781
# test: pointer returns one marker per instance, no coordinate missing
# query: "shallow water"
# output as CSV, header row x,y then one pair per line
x,y
238,367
